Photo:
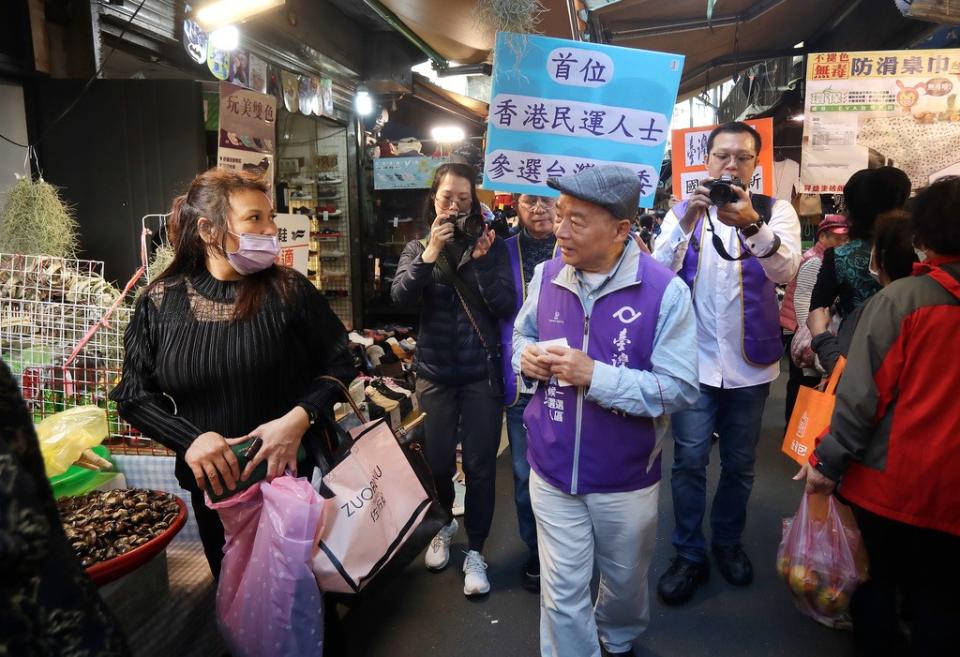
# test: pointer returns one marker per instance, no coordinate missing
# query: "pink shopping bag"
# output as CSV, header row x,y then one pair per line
x,y
373,502
268,602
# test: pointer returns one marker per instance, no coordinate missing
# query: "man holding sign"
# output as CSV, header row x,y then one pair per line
x,y
731,248
607,334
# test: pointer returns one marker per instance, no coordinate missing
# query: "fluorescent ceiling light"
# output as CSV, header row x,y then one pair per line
x,y
448,134
225,38
217,13
797,117
363,103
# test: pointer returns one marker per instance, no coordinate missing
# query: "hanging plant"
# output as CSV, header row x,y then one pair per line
x,y
161,259
36,221
520,16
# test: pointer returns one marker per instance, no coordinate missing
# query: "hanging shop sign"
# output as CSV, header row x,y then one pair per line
x,y
561,106
258,74
195,40
326,96
247,128
688,148
868,109
405,172
293,233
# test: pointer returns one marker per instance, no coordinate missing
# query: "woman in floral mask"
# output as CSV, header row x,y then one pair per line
x,y
225,345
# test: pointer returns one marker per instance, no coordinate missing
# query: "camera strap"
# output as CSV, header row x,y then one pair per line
x,y
763,206
464,293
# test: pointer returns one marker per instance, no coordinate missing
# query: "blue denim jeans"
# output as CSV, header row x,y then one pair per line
x,y
735,414
517,435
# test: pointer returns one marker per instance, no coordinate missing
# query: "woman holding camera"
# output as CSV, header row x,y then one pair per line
x,y
462,276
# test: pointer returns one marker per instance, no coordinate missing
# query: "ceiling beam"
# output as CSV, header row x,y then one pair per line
x,y
742,58
439,61
628,30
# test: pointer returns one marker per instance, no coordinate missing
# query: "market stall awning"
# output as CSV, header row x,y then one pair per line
x,y
452,29
740,32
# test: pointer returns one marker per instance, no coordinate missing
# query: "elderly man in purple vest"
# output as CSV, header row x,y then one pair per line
x,y
732,248
608,335
535,243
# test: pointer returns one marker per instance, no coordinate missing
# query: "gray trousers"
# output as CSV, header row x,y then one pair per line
x,y
479,416
618,531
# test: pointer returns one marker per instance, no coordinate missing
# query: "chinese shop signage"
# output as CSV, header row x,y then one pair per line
x,y
875,108
247,130
293,234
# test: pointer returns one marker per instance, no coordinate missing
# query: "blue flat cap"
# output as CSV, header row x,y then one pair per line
x,y
611,186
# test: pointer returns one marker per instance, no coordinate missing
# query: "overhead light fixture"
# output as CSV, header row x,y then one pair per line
x,y
797,117
215,14
467,69
448,134
225,38
363,103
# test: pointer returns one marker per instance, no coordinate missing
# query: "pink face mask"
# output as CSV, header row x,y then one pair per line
x,y
255,253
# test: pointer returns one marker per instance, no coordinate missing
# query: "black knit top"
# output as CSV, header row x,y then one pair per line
x,y
190,368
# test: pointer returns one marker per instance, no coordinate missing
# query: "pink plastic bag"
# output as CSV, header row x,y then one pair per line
x,y
821,559
373,503
268,602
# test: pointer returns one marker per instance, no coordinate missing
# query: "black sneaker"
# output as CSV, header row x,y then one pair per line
x,y
681,579
734,564
530,574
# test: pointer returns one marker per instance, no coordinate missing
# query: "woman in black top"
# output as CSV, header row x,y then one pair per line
x,y
225,345
844,278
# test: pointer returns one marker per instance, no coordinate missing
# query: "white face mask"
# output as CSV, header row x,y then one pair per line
x,y
921,254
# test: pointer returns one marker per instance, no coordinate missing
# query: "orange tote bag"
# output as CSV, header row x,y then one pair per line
x,y
811,416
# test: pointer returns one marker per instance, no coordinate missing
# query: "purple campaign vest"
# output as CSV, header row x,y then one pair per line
x,y
762,343
511,385
613,451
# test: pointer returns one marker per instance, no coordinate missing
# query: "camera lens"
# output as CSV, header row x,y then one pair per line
x,y
472,225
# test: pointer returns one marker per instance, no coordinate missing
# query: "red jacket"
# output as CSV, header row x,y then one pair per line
x,y
894,439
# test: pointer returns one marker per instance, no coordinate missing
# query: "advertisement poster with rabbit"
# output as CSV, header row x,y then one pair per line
x,y
869,109
247,131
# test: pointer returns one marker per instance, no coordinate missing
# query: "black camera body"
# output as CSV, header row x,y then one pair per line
x,y
467,228
721,190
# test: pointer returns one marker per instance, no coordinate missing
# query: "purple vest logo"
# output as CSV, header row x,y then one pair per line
x,y
627,315
556,318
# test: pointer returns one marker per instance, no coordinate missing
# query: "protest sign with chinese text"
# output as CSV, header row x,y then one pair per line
x,y
880,108
560,106
689,157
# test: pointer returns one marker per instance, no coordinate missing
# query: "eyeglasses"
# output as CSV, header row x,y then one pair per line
x,y
743,159
546,202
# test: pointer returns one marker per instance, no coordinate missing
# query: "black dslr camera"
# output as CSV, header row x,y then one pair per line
x,y
721,190
467,228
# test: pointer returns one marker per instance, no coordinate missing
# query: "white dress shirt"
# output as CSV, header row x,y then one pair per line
x,y
716,295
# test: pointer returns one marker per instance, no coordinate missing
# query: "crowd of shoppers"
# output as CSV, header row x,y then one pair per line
x,y
588,343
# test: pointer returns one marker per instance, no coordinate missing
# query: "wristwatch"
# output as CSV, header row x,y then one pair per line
x,y
751,229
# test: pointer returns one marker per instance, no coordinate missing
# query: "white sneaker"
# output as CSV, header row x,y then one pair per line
x,y
475,580
438,554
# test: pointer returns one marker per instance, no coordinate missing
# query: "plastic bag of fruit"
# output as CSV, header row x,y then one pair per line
x,y
821,559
